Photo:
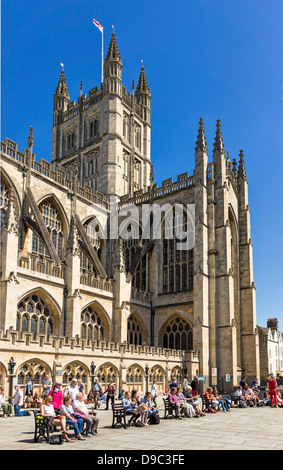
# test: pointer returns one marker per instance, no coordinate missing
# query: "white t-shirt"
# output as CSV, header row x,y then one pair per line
x,y
81,405
19,398
238,393
153,390
49,410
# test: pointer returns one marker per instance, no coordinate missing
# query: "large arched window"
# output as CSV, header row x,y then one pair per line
x,y
177,334
178,262
34,316
92,326
32,370
107,372
134,335
75,371
53,222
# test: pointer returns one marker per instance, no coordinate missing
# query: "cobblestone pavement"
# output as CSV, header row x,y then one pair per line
x,y
240,429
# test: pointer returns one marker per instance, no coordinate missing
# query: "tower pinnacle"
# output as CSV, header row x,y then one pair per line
x,y
201,141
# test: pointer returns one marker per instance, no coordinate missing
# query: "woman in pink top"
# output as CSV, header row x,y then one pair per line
x,y
57,395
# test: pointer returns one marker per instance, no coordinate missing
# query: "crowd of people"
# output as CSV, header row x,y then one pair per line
x,y
70,406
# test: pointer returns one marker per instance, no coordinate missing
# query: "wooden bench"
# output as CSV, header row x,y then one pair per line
x,y
169,409
43,427
119,415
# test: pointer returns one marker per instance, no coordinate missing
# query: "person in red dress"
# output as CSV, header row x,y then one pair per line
x,y
272,390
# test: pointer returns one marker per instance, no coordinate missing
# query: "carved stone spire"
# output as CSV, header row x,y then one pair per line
x,y
113,51
201,141
241,169
62,89
218,146
142,86
30,137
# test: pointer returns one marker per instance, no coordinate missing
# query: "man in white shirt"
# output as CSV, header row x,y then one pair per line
x,y
18,402
72,389
90,419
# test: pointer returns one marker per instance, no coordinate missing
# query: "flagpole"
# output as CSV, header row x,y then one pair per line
x,y
102,57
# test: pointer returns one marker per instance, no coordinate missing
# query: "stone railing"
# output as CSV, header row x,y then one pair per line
x,y
46,169
65,344
40,264
89,279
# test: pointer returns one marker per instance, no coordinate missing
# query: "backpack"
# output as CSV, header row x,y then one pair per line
x,y
154,418
242,404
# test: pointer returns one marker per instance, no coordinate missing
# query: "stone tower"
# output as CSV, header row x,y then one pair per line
x,y
104,138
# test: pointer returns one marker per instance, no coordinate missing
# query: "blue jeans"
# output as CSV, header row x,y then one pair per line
x,y
78,425
18,411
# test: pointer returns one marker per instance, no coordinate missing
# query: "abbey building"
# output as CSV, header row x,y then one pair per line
x,y
77,301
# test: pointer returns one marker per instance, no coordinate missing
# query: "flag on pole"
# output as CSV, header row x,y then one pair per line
x,y
98,25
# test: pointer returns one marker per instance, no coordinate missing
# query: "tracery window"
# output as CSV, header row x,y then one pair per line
x,y
107,372
177,261
32,370
54,226
4,200
134,335
178,334
157,373
34,316
74,371
92,327
134,377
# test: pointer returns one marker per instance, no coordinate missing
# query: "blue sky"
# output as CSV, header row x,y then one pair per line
x,y
205,58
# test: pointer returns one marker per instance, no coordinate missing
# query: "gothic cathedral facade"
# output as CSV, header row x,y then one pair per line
x,y
78,304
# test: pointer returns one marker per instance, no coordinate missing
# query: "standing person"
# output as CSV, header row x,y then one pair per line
x,y
185,382
18,402
110,393
81,386
272,390
174,383
46,383
154,393
97,392
57,395
72,389
29,393
195,386
81,411
243,382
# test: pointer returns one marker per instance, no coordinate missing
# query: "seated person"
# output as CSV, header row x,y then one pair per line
x,y
121,395
67,410
255,384
210,400
81,411
186,408
248,395
223,401
130,408
148,401
47,410
173,399
193,401
238,395
266,398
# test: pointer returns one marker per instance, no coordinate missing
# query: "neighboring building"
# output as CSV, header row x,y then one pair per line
x,y
271,349
136,309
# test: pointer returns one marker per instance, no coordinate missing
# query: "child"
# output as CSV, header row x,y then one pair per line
x,y
272,390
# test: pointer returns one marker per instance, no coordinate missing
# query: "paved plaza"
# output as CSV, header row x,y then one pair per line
x,y
241,429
